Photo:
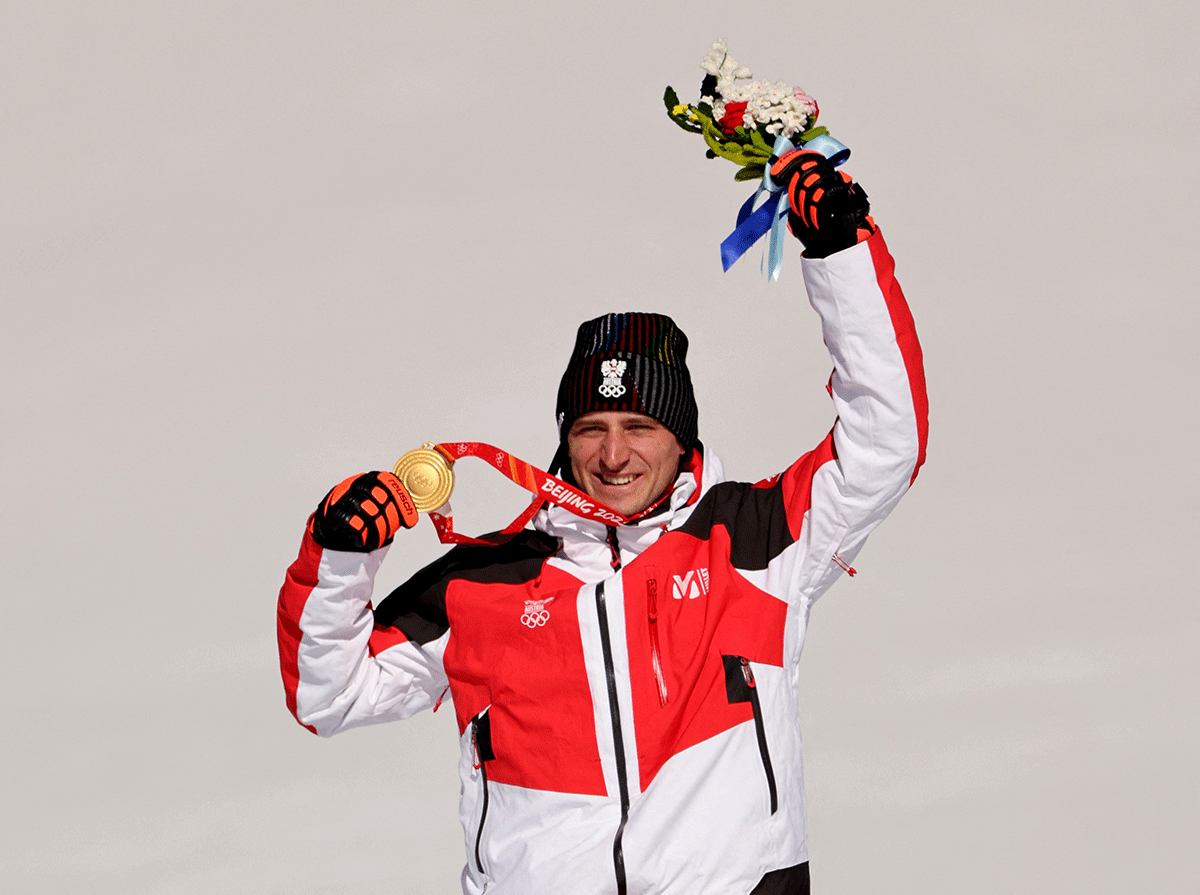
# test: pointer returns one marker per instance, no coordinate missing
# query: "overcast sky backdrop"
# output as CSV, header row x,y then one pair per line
x,y
247,249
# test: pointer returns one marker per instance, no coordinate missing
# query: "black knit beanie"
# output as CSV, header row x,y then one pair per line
x,y
633,362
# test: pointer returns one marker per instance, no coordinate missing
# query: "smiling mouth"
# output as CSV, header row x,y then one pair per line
x,y
616,479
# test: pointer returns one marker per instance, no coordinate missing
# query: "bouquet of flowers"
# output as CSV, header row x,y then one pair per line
x,y
751,123
741,118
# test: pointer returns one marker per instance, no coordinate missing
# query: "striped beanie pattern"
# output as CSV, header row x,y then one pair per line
x,y
634,362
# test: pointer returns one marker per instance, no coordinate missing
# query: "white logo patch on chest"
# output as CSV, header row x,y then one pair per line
x,y
692,585
536,613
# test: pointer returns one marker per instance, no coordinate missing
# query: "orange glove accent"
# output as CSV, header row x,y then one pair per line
x,y
363,513
829,211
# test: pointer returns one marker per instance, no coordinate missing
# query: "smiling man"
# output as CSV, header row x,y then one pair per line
x,y
624,460
626,695
626,410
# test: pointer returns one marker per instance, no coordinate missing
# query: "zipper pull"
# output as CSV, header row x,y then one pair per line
x,y
845,566
747,673
474,745
614,545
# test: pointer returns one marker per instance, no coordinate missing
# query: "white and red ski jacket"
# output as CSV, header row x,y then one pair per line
x,y
627,698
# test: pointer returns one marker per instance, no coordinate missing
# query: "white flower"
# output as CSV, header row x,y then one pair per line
x,y
723,66
778,107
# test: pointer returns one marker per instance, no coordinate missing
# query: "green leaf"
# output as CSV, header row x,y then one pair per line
x,y
688,126
671,98
812,134
760,142
712,137
750,172
733,153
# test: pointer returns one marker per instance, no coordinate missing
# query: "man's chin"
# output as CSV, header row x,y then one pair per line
x,y
626,507
627,503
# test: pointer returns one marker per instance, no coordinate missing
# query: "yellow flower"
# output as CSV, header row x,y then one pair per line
x,y
680,109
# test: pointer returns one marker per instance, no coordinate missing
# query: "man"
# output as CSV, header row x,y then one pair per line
x,y
627,695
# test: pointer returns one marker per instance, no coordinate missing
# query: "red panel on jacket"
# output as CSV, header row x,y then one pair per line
x,y
705,610
518,649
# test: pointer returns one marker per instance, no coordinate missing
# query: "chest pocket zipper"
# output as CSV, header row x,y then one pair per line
x,y
655,649
740,687
481,747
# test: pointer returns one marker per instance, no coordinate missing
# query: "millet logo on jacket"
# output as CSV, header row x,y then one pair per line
x,y
691,585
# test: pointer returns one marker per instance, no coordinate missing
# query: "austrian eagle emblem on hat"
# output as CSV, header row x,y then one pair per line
x,y
612,371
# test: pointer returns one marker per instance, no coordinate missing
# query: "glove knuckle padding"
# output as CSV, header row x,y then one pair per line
x,y
362,513
829,211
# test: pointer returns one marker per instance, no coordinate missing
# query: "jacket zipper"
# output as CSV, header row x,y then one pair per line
x,y
614,547
740,686
618,739
655,656
481,747
761,730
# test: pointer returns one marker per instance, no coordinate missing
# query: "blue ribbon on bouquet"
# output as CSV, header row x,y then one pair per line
x,y
753,224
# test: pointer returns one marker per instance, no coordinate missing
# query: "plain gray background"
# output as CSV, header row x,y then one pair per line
x,y
251,248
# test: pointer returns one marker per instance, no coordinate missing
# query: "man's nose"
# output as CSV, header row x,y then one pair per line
x,y
614,451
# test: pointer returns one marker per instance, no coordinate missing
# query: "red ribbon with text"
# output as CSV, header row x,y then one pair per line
x,y
544,487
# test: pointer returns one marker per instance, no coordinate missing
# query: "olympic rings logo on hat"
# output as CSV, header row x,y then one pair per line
x,y
612,371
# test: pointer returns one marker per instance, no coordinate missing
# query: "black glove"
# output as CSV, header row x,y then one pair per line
x,y
363,513
829,211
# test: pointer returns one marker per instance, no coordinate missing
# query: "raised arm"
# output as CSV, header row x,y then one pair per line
x,y
839,492
339,669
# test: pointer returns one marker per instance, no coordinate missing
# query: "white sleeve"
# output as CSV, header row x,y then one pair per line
x,y
878,387
340,670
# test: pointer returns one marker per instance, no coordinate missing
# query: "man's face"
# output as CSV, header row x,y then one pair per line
x,y
626,461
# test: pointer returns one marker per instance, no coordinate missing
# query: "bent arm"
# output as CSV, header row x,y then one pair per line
x,y
340,670
846,487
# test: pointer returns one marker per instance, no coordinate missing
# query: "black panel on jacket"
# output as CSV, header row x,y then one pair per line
x,y
482,728
737,687
418,606
788,881
754,517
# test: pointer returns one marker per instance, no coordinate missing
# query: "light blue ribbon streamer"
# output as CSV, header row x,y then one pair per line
x,y
834,150
774,259
753,224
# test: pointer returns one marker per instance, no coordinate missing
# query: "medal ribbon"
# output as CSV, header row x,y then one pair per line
x,y
544,487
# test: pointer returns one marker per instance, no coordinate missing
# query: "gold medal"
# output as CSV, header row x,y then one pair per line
x,y
427,475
